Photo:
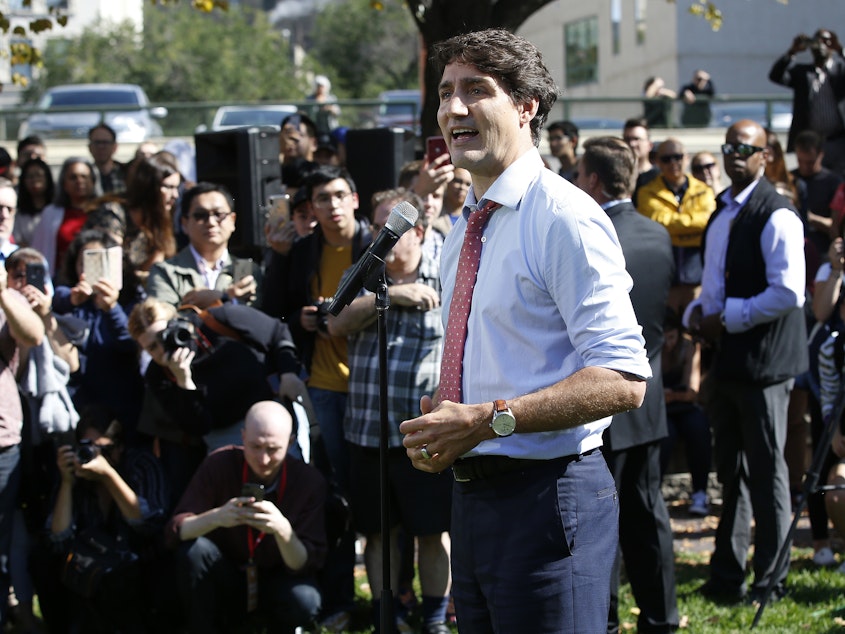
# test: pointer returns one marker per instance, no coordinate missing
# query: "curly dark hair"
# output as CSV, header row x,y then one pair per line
x,y
511,59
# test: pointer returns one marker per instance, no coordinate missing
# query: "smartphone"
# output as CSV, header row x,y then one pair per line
x,y
253,490
36,274
434,147
241,268
278,210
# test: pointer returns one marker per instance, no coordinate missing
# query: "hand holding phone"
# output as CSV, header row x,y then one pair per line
x,y
36,275
241,268
253,490
434,147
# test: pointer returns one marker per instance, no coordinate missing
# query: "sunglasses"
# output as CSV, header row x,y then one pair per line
x,y
668,158
203,216
743,149
703,167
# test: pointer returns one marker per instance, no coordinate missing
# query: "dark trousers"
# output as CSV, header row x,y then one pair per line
x,y
691,425
213,592
10,479
749,425
645,540
532,550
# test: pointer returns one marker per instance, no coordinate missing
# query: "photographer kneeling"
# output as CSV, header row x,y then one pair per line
x,y
209,368
251,530
98,567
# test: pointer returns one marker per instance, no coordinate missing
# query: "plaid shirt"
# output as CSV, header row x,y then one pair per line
x,y
414,349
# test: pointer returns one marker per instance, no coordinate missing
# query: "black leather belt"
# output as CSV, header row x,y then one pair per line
x,y
481,467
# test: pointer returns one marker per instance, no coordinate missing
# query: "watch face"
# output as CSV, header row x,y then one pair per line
x,y
503,423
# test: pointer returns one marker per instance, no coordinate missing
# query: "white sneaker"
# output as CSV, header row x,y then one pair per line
x,y
824,557
699,504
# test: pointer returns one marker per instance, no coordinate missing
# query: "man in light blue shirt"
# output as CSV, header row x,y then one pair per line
x,y
553,350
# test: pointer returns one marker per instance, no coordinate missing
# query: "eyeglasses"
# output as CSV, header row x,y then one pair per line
x,y
324,200
203,216
703,167
743,149
668,158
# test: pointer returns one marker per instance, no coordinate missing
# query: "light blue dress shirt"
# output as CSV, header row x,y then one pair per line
x,y
551,298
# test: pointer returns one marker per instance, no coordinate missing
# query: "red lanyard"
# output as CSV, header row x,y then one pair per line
x,y
252,540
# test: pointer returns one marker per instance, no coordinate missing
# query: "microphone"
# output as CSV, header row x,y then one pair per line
x,y
402,217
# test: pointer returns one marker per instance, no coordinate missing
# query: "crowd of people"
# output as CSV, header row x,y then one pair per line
x,y
190,440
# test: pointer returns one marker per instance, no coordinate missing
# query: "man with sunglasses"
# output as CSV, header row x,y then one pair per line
x,y
818,92
683,205
204,271
750,311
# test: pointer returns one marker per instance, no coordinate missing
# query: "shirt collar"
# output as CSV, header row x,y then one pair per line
x,y
512,184
613,203
203,264
742,196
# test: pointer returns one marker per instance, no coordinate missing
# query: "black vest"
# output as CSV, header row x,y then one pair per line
x,y
774,351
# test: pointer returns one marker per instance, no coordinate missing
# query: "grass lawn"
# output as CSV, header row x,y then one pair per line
x,y
815,603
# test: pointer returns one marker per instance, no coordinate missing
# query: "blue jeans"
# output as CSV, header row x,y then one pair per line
x,y
336,578
532,550
10,480
330,408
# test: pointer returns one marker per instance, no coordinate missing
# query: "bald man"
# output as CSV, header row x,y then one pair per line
x,y
252,530
750,306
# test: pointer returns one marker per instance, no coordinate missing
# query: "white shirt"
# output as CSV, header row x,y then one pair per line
x,y
782,244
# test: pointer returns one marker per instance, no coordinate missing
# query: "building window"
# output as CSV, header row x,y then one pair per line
x,y
640,20
616,24
582,51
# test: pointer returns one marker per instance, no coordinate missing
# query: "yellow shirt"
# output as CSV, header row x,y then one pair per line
x,y
329,364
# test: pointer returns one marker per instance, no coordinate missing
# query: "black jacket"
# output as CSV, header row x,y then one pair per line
x,y
288,281
647,248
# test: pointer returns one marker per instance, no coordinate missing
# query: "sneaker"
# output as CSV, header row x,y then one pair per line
x,y
699,504
824,557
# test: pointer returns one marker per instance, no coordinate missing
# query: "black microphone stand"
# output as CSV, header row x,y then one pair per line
x,y
382,304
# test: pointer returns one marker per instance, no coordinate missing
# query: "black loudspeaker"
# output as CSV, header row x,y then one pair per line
x,y
374,158
246,162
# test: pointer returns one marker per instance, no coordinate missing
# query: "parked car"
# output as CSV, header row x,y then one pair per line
x,y
134,124
228,117
400,109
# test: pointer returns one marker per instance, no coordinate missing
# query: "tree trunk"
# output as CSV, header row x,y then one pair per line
x,y
441,19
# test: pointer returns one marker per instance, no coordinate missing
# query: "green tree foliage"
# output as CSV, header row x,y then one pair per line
x,y
369,51
183,55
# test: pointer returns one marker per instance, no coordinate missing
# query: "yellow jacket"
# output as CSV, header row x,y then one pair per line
x,y
686,222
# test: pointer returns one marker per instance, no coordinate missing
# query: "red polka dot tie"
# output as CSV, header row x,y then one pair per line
x,y
451,366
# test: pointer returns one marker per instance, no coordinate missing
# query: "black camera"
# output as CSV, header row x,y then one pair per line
x,y
179,333
323,314
86,451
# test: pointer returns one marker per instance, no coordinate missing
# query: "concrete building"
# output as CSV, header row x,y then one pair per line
x,y
607,48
